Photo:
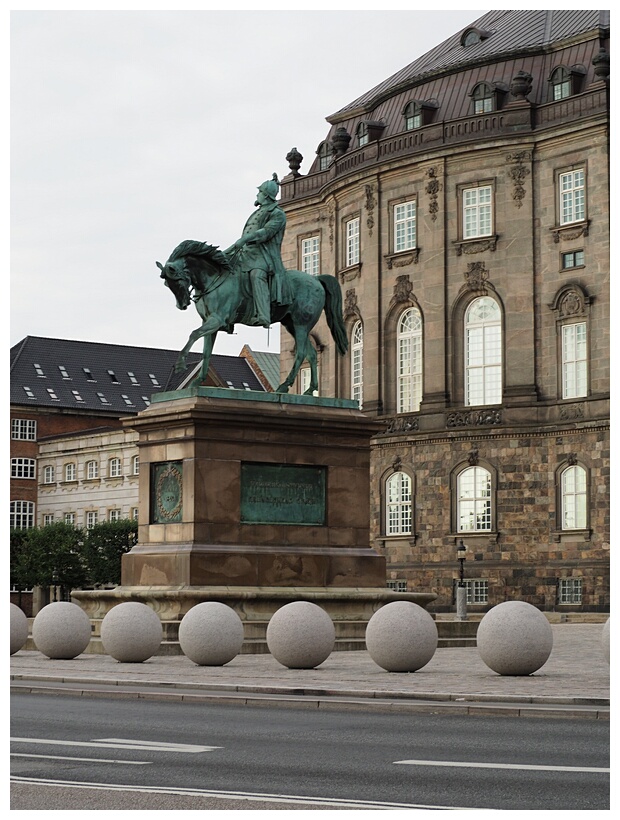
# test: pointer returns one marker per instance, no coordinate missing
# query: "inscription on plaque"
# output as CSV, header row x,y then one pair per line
x,y
282,494
167,492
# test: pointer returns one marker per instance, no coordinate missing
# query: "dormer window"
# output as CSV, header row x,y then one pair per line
x,y
369,130
566,81
473,36
325,156
418,113
487,97
362,134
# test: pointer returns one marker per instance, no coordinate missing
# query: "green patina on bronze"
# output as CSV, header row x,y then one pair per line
x,y
247,284
283,494
166,492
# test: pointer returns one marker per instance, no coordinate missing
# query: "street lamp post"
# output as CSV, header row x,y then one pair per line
x,y
461,589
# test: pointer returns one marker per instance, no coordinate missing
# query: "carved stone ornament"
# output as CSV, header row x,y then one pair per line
x,y
473,418
476,275
340,141
601,64
370,206
397,464
403,290
433,186
518,174
401,260
400,424
571,459
521,85
477,246
472,457
570,301
572,411
571,232
331,221
350,304
294,159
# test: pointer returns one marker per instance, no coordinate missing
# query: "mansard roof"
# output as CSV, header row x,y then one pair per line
x,y
108,378
503,34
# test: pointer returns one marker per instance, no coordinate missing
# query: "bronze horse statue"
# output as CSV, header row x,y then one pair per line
x,y
202,273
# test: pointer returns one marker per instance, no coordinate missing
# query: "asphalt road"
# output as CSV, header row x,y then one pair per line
x,y
165,755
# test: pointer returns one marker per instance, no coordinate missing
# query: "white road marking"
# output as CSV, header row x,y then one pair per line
x,y
518,766
120,743
86,759
225,795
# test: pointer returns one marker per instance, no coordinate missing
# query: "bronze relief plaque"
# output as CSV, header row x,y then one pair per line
x,y
283,494
167,492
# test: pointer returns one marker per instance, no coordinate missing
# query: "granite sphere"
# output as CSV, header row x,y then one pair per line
x,y
514,638
605,640
19,628
401,637
211,634
61,630
300,635
131,632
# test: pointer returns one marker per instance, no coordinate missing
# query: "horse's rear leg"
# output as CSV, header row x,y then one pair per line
x,y
312,361
301,343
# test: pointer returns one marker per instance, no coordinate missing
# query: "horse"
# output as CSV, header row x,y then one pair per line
x,y
202,273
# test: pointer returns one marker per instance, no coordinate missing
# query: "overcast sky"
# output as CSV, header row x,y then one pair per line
x,y
134,130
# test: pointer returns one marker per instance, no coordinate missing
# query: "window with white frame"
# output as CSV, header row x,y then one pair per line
x,y
353,242
397,585
92,516
325,156
398,504
570,590
483,352
357,363
69,518
48,519
477,212
115,468
474,500
363,135
24,429
483,98
560,84
413,116
572,186
477,590
22,515
310,255
574,498
409,341
48,474
304,379
574,361
92,469
136,465
70,472
134,513
114,515
23,467
404,226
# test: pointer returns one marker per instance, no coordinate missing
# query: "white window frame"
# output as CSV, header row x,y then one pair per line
x,y
409,361
24,429
405,226
135,465
114,515
23,468
572,196
477,591
357,363
397,585
115,468
91,518
477,211
398,504
474,503
310,251
92,470
49,474
69,518
570,591
352,231
48,519
22,515
70,471
574,360
574,498
483,354
134,513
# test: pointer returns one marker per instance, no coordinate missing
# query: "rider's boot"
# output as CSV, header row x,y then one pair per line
x,y
260,295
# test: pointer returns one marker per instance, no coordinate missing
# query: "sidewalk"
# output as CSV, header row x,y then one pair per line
x,y
573,683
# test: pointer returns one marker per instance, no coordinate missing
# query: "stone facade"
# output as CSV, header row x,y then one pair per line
x,y
545,273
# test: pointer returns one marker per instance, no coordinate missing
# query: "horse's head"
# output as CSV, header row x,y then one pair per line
x,y
177,279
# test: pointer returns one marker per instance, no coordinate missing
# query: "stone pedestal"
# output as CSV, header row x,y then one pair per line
x,y
254,499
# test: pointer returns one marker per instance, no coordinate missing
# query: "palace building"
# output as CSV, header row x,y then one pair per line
x,y
463,204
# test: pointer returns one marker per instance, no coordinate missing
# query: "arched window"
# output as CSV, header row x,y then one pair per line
x,y
48,475
574,498
473,507
70,474
325,156
357,363
409,361
413,116
114,470
398,504
560,84
362,134
483,97
483,352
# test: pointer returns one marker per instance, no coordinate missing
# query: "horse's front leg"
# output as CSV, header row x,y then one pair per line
x,y
207,330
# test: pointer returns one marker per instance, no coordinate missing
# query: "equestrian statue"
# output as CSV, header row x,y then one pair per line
x,y
247,284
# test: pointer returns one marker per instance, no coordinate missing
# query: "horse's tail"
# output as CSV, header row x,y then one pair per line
x,y
333,311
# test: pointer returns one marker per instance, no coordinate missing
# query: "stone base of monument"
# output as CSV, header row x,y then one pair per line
x,y
349,608
254,500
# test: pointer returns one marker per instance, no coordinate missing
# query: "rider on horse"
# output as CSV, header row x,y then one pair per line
x,y
258,252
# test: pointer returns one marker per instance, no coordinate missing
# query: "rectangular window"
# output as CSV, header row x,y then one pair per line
x,y
477,212
310,255
573,259
48,475
477,591
570,590
70,518
574,361
398,585
134,513
114,515
91,519
24,429
353,242
404,226
136,465
48,519
572,196
23,468
115,468
70,474
22,515
92,469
